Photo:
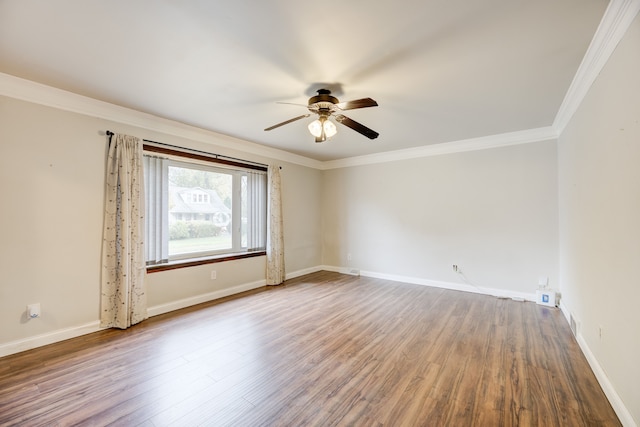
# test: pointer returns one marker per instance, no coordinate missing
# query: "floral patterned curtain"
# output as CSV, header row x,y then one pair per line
x,y
275,236
123,296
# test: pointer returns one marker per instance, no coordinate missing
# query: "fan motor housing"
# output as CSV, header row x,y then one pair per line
x,y
323,96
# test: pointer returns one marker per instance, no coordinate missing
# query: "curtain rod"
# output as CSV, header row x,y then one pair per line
x,y
216,156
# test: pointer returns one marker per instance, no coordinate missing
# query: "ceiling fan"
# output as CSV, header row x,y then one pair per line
x,y
325,105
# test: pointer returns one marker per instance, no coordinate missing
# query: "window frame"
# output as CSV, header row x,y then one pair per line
x,y
215,161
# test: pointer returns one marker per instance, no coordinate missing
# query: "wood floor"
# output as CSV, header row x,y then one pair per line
x,y
321,350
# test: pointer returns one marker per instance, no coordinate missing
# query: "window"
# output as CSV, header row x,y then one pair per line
x,y
200,208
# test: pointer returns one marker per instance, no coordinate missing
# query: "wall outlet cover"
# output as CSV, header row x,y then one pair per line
x,y
546,297
33,310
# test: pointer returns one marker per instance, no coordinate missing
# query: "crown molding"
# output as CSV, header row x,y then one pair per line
x,y
615,22
613,26
27,90
472,144
38,93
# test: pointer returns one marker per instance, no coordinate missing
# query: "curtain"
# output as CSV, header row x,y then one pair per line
x,y
123,296
275,239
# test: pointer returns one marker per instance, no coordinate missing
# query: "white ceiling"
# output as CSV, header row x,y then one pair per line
x,y
441,70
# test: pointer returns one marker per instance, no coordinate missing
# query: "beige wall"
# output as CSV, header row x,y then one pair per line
x,y
599,181
52,166
492,212
52,188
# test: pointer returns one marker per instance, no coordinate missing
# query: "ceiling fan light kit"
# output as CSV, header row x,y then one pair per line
x,y
322,129
325,105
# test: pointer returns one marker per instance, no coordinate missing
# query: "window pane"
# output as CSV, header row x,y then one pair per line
x,y
200,217
194,210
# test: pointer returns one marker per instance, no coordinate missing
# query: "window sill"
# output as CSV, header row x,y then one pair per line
x,y
172,265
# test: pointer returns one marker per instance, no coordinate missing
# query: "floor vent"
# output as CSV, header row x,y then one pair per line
x,y
573,324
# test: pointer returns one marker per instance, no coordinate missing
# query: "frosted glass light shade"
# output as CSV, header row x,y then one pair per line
x,y
315,127
329,128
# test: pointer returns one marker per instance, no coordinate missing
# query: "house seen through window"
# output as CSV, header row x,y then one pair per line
x,y
196,210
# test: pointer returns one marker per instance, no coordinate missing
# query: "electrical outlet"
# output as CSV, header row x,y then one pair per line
x,y
455,268
214,275
600,331
349,257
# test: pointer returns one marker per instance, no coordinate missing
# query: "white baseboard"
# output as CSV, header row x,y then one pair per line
x,y
29,343
616,402
618,406
199,299
342,270
304,271
565,311
501,293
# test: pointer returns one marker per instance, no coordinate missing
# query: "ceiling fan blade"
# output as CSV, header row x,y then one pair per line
x,y
288,121
358,103
360,128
